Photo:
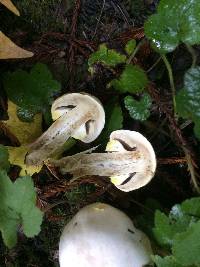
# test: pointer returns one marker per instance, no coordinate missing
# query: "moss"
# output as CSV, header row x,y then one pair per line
x,y
37,15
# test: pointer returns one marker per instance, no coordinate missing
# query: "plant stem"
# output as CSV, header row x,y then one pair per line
x,y
171,79
153,66
135,51
191,170
193,54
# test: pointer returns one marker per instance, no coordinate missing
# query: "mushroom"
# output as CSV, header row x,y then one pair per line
x,y
130,161
76,115
100,235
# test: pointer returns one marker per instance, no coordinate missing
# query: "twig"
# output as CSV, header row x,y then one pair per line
x,y
99,18
72,37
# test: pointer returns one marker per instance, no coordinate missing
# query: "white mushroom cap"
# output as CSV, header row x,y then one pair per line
x,y
76,115
102,236
90,130
125,140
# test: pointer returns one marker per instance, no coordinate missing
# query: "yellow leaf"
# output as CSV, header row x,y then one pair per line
x,y
17,157
8,49
26,132
10,6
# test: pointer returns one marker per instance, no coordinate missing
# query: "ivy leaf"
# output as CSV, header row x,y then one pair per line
x,y
186,246
25,133
105,56
33,92
188,99
4,162
8,49
167,261
18,208
133,80
138,110
130,47
175,22
17,157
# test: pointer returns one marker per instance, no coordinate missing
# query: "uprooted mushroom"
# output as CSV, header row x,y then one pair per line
x,y
130,161
100,235
76,115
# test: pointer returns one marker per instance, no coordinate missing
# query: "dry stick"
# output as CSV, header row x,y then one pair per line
x,y
178,133
72,37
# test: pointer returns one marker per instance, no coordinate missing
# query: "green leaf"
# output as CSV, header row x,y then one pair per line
x,y
175,22
133,80
105,56
4,156
166,227
186,246
163,231
188,99
167,261
17,208
130,47
114,120
138,110
191,207
33,92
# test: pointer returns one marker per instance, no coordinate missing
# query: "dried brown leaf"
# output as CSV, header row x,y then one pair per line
x,y
10,6
8,49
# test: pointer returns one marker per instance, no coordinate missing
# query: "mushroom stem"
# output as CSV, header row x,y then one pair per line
x,y
129,162
55,137
103,164
76,115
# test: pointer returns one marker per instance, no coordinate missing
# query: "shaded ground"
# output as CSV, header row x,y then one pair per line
x,y
63,34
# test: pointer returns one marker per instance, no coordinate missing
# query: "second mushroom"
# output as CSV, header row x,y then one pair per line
x,y
76,115
130,161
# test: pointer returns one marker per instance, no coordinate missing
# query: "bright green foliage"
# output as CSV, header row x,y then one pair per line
x,y
180,231
132,80
186,246
175,22
4,156
17,208
191,207
32,92
168,261
188,99
179,219
130,46
107,57
164,231
138,110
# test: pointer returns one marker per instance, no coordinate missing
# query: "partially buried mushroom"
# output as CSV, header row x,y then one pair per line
x,y
100,235
130,161
76,115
